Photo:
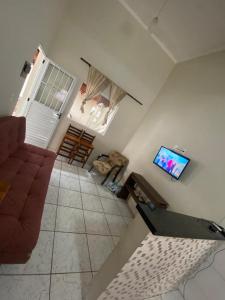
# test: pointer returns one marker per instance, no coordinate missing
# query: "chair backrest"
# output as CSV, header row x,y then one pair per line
x,y
74,131
117,159
87,137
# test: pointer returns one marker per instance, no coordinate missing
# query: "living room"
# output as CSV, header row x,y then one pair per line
x,y
171,64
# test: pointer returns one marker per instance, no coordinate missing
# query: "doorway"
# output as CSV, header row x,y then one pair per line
x,y
28,86
43,99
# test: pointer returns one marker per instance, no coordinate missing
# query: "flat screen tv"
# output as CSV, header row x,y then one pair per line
x,y
171,162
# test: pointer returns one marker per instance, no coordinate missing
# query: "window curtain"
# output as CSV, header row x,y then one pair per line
x,y
96,83
116,95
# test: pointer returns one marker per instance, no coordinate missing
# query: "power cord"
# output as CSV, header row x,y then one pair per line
x,y
192,277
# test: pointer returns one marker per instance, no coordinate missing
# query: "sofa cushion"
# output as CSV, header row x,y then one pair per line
x,y
27,171
103,167
12,135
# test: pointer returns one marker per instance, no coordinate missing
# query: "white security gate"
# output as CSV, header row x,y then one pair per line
x,y
46,106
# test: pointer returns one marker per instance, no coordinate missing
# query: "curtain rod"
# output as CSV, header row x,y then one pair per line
x,y
86,62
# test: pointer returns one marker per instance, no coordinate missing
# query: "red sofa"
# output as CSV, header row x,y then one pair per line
x,y
27,169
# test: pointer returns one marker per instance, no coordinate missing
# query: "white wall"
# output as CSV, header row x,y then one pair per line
x,y
189,112
105,34
24,24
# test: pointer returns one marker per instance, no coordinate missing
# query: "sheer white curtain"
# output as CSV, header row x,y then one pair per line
x,y
115,96
96,83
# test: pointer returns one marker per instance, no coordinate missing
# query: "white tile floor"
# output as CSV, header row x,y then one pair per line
x,y
82,223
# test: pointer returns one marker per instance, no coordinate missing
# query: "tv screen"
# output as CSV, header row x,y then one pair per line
x,y
171,162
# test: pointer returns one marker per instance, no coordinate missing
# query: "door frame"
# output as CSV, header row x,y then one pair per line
x,y
46,61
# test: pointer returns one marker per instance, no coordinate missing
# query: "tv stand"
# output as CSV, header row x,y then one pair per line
x,y
141,191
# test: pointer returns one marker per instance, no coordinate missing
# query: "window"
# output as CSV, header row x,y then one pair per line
x,y
94,111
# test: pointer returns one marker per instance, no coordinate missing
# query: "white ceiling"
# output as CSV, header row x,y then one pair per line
x,y
185,28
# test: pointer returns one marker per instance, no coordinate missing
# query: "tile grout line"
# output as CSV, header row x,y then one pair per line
x,y
123,224
77,178
100,197
94,211
101,204
104,212
44,274
53,244
108,224
93,234
117,205
82,233
86,231
89,254
119,215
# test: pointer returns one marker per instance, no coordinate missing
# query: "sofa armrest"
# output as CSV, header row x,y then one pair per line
x,y
8,226
18,235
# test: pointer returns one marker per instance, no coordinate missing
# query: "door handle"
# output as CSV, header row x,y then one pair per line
x,y
59,115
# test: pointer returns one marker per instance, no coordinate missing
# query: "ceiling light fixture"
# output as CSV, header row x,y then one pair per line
x,y
155,20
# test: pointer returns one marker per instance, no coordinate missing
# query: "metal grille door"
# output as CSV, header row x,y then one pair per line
x,y
50,97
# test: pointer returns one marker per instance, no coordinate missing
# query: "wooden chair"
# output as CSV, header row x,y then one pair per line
x,y
74,131
83,150
81,154
87,137
69,141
